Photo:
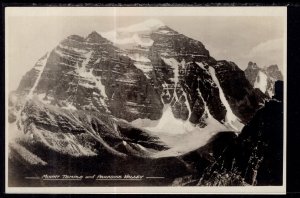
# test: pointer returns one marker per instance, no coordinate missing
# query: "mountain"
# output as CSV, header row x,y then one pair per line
x,y
174,73
263,78
141,99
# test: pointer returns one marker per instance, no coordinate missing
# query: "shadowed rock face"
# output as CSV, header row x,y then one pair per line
x,y
241,96
251,72
279,90
274,72
255,157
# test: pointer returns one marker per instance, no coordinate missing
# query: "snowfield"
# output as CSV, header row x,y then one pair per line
x,y
181,136
261,82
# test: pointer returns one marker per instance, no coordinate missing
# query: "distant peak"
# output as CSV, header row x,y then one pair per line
x,y
275,67
274,71
252,65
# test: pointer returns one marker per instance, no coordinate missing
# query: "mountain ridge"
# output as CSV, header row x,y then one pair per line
x,y
151,106
159,63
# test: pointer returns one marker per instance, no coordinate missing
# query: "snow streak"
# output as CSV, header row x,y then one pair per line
x,y
230,117
82,71
40,66
261,81
205,104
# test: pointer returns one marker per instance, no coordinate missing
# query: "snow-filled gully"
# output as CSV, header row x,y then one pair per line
x,y
41,70
230,119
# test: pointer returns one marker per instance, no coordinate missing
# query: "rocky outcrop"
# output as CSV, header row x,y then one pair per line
x,y
80,133
242,98
274,72
263,78
255,157
251,72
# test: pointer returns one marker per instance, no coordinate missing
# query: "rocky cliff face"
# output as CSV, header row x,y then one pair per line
x,y
263,78
255,157
161,67
91,74
47,139
107,99
81,133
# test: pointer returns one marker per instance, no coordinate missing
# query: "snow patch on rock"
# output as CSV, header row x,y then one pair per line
x,y
206,110
69,106
261,81
166,124
181,143
78,50
175,66
82,70
201,65
230,118
146,68
138,57
40,66
187,104
88,75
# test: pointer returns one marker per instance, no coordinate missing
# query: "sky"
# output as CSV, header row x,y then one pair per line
x,y
239,39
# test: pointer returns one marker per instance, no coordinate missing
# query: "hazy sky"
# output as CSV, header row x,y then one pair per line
x,y
239,39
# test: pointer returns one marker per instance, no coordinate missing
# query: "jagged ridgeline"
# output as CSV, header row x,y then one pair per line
x,y
137,97
263,78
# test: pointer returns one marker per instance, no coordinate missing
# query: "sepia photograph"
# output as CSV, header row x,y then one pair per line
x,y
145,99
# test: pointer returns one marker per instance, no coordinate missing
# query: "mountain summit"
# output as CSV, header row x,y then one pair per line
x,y
263,78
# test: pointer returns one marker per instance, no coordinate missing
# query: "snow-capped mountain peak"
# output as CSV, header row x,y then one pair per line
x,y
263,78
134,35
148,25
